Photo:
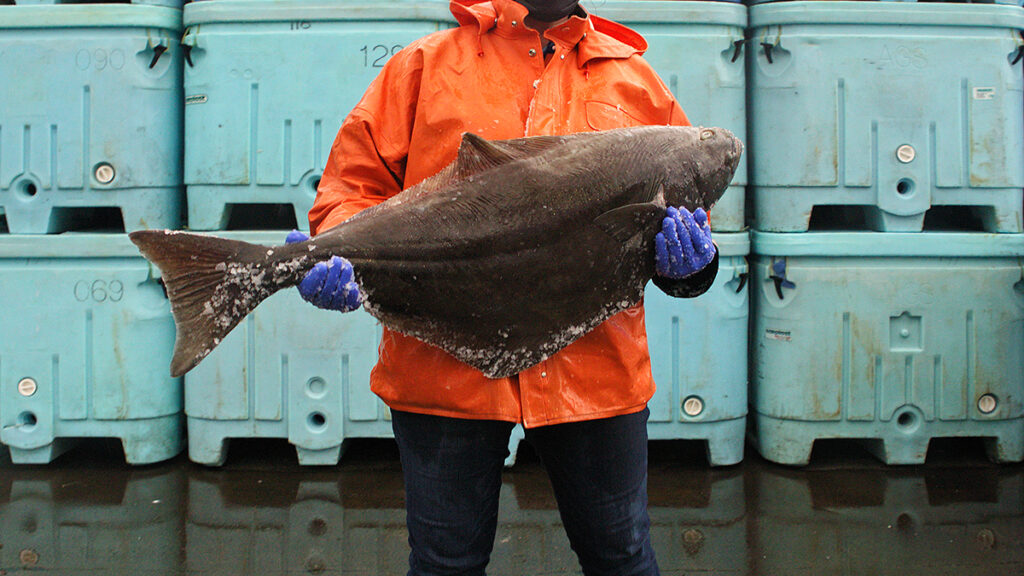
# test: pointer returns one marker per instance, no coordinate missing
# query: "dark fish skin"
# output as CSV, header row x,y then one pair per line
x,y
509,254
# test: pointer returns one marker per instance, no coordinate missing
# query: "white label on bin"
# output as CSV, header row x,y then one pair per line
x,y
984,93
197,99
783,335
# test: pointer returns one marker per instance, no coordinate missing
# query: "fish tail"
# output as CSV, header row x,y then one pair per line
x,y
212,283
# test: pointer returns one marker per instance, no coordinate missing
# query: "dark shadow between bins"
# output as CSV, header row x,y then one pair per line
x,y
261,217
856,218
91,219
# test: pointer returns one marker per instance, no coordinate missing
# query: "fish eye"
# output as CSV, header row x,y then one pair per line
x,y
705,134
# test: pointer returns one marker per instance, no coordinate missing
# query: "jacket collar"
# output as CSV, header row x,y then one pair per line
x,y
594,37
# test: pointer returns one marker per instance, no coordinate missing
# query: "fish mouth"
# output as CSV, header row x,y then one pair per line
x,y
736,151
734,161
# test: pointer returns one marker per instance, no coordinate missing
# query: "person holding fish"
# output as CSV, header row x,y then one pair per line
x,y
511,69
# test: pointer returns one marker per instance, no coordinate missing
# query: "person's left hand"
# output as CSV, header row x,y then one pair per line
x,y
683,247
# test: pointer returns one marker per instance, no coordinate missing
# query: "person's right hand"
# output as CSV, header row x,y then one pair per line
x,y
329,285
683,247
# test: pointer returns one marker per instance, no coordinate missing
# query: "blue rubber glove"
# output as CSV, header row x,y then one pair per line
x,y
683,247
329,285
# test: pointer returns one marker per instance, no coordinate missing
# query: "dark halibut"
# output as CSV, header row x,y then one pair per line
x,y
510,253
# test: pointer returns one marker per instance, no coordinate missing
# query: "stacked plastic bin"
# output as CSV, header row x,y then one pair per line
x,y
267,85
699,346
90,148
887,166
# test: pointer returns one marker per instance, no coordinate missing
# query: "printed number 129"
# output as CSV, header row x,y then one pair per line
x,y
376,56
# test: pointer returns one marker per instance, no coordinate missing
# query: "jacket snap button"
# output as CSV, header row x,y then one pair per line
x,y
533,52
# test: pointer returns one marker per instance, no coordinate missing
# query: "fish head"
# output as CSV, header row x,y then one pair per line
x,y
700,163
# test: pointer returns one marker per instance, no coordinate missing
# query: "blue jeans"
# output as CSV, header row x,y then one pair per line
x,y
452,469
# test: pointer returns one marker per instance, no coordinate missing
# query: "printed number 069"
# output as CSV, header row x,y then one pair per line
x,y
99,291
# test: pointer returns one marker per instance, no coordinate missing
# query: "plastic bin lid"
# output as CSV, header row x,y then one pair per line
x,y
669,12
888,244
732,243
891,13
229,11
67,245
90,16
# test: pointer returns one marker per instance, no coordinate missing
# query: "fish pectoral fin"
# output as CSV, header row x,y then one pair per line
x,y
625,222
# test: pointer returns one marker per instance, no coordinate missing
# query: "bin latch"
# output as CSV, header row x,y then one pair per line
x,y
158,51
743,281
159,47
737,49
188,42
778,276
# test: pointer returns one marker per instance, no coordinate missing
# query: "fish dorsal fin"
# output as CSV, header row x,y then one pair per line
x,y
625,222
477,154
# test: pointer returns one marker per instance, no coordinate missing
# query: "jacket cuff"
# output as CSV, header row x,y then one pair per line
x,y
691,286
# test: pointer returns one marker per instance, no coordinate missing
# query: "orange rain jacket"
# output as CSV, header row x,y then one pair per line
x,y
489,76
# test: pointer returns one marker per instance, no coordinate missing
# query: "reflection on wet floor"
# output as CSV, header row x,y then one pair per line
x,y
88,513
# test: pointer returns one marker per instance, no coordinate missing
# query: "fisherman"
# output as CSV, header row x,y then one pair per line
x,y
511,69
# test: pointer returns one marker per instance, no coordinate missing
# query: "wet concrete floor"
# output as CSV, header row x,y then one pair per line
x,y
88,513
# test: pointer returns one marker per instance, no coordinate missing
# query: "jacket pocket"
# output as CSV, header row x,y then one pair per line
x,y
607,116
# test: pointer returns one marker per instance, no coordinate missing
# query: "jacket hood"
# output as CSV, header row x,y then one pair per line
x,y
600,38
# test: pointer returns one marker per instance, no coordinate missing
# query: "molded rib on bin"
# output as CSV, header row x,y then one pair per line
x,y
905,111
891,338
260,113
289,370
85,343
91,117
699,358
